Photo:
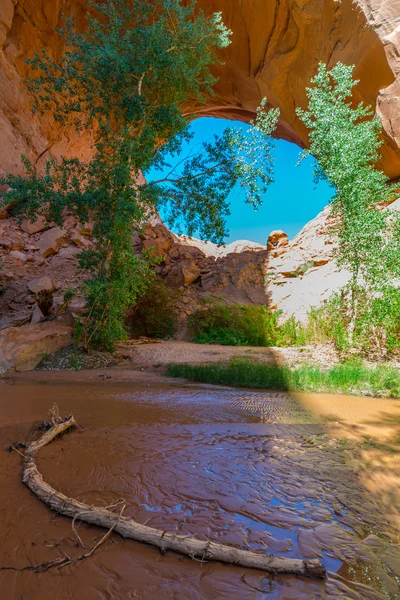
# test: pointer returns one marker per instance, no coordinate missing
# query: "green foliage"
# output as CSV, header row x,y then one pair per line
x,y
376,330
345,139
195,194
126,78
349,378
154,315
239,325
291,333
69,293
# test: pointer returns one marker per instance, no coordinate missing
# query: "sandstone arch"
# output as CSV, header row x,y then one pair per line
x,y
276,48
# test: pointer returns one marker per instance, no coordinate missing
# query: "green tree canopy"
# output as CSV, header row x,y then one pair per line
x,y
345,138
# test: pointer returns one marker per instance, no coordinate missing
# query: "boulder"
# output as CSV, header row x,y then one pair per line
x,y
175,254
38,285
148,232
79,240
33,227
18,245
5,243
51,241
68,253
183,274
37,315
21,256
159,246
69,222
20,318
22,348
86,229
277,239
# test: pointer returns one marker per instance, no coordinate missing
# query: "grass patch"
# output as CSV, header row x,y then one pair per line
x,y
345,378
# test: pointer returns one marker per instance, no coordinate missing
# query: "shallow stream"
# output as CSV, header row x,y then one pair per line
x,y
252,469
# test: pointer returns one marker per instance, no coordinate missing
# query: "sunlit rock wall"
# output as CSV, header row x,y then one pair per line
x,y
276,48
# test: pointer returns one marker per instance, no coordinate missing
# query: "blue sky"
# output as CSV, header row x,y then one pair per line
x,y
290,202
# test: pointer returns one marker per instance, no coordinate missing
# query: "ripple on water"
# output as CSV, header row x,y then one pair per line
x,y
244,468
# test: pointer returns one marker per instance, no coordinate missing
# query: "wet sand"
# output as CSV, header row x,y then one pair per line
x,y
266,471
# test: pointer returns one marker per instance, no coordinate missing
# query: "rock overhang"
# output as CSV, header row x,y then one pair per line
x,y
275,50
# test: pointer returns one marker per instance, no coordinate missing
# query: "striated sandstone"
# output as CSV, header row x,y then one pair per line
x,y
305,273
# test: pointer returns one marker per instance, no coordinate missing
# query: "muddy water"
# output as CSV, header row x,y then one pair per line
x,y
255,470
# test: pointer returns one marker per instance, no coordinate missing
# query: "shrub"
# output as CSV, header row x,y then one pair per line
x,y
154,314
291,333
376,329
239,325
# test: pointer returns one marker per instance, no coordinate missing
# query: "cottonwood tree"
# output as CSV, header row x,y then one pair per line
x,y
126,78
345,139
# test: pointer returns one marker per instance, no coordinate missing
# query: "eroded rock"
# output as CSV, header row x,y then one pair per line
x,y
17,255
275,51
38,285
277,239
33,227
183,274
51,240
22,348
5,243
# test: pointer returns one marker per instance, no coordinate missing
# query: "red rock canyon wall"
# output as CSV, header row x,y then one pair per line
x,y
276,48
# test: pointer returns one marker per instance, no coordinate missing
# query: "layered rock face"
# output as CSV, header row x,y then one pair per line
x,y
276,47
34,258
38,264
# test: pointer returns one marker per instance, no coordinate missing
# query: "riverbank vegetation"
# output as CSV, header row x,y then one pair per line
x,y
376,331
349,377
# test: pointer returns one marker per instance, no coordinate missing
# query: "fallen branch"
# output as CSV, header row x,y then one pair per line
x,y
41,567
163,540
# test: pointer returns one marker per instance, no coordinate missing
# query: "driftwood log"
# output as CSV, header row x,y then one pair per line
x,y
163,540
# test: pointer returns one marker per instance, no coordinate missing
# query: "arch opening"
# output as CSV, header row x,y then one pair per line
x,y
291,201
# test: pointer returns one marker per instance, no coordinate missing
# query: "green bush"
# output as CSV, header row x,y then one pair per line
x,y
239,325
291,333
376,329
154,314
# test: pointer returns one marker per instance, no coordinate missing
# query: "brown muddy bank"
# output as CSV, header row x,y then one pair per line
x,y
251,469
